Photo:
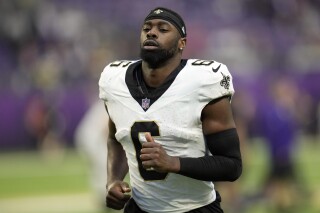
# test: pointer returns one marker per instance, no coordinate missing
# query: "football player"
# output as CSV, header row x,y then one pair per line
x,y
165,112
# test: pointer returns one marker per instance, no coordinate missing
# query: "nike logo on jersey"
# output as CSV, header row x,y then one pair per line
x,y
216,69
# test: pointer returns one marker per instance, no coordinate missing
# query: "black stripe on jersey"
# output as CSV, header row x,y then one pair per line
x,y
139,90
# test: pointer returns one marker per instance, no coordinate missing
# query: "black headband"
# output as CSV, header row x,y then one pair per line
x,y
170,16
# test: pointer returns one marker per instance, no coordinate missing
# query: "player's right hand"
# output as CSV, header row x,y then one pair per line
x,y
117,195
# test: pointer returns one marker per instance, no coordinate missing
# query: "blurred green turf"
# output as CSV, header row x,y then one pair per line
x,y
29,173
307,160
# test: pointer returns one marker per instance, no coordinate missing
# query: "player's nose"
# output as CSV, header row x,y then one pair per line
x,y
152,33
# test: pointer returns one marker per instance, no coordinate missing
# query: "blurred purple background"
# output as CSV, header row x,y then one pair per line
x,y
52,53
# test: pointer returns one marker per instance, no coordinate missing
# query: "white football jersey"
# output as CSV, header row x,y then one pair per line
x,y
173,119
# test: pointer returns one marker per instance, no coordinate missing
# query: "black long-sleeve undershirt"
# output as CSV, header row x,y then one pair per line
x,y
224,164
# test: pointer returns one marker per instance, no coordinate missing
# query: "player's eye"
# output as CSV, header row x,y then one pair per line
x,y
146,28
163,30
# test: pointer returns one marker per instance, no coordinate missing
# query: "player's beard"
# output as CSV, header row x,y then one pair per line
x,y
158,57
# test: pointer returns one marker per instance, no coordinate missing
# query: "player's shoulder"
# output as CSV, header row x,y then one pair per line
x,y
120,64
116,68
206,65
214,77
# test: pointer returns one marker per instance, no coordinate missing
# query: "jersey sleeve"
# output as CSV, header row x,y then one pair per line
x,y
103,83
109,74
217,83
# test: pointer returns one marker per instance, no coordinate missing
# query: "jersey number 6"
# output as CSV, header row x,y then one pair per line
x,y
136,129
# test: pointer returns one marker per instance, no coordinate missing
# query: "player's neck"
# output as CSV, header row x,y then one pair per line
x,y
154,77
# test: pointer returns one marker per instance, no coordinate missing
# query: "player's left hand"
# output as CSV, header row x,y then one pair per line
x,y
155,157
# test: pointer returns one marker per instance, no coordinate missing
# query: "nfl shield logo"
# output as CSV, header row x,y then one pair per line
x,y
145,103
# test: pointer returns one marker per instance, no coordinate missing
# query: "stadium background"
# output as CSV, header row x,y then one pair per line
x,y
52,53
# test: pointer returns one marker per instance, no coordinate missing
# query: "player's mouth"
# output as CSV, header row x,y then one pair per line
x,y
150,44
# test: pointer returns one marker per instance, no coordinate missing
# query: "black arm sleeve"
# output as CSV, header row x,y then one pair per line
x,y
225,164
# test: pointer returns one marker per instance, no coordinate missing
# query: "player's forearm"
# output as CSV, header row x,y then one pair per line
x,y
225,164
117,162
211,168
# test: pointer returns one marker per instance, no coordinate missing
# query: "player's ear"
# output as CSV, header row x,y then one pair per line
x,y
182,43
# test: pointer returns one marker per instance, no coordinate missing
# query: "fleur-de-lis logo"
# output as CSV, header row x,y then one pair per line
x,y
225,82
158,11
